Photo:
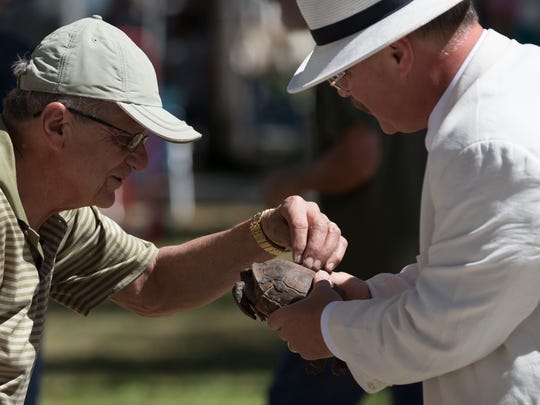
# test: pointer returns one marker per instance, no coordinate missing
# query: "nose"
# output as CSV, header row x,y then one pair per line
x,y
138,159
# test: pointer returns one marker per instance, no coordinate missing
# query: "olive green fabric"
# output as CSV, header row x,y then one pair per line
x,y
77,257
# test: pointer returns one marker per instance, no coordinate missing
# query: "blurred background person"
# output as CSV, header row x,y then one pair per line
x,y
370,186
518,19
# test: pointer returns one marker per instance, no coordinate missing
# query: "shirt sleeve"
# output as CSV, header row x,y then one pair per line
x,y
96,259
478,284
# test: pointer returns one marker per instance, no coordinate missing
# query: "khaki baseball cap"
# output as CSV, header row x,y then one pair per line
x,y
91,58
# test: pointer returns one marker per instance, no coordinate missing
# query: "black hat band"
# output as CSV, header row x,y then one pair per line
x,y
357,22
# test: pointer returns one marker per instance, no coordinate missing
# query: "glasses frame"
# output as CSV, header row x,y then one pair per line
x,y
135,138
334,81
131,145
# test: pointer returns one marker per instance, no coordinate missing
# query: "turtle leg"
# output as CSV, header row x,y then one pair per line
x,y
241,300
339,367
315,367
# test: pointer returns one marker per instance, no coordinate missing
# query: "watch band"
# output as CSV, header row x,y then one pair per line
x,y
259,236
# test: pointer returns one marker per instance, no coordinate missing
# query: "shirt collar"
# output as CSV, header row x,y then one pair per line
x,y
439,112
8,174
8,185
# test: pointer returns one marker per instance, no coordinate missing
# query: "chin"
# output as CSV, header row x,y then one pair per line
x,y
387,129
390,129
104,201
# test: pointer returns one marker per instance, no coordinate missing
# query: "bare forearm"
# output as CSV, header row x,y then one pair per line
x,y
197,272
207,266
194,273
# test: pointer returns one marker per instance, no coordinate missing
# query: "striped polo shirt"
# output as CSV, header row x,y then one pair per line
x,y
78,257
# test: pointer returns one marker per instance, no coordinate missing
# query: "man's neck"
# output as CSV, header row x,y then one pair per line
x,y
439,65
456,52
34,176
36,196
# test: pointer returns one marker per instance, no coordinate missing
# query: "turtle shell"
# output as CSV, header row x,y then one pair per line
x,y
268,286
277,283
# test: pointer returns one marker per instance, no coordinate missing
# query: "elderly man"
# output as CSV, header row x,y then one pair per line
x,y
465,318
71,133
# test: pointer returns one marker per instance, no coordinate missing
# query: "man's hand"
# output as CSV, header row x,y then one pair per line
x,y
315,241
299,323
352,287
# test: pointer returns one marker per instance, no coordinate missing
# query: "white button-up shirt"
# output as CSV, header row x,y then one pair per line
x,y
465,318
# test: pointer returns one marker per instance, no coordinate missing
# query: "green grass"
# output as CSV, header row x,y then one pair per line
x,y
208,356
212,355
104,388
198,357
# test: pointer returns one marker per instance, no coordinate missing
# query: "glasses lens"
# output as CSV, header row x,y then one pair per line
x,y
134,142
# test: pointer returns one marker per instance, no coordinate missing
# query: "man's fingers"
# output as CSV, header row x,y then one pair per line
x,y
315,241
320,277
274,320
290,348
316,251
304,229
337,254
353,287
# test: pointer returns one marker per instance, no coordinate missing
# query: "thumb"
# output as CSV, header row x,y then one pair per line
x,y
323,286
321,276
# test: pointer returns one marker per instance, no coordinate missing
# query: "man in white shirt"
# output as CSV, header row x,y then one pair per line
x,y
465,318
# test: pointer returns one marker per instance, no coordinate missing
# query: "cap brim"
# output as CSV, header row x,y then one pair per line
x,y
328,60
160,122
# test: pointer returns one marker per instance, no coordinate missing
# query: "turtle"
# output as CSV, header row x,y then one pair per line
x,y
267,286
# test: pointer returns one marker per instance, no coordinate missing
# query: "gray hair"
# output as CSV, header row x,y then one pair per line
x,y
22,105
459,17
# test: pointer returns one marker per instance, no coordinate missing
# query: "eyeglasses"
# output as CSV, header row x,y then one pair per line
x,y
129,142
340,81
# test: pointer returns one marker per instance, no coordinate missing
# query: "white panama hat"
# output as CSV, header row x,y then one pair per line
x,y
349,31
91,58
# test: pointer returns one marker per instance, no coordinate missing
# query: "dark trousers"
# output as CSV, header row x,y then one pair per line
x,y
292,386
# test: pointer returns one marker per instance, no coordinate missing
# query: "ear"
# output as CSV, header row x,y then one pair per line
x,y
403,57
53,120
